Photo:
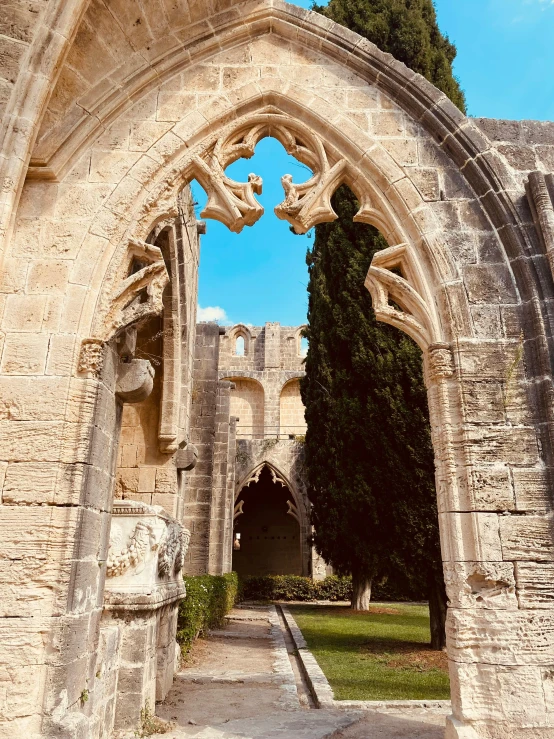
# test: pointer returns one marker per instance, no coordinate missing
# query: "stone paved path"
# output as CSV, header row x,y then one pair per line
x,y
245,684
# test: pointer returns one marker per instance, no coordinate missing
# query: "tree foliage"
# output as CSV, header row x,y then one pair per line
x,y
368,450
408,30
369,458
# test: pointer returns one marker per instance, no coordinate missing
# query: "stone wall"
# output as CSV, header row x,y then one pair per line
x,y
209,488
291,410
247,404
273,363
234,395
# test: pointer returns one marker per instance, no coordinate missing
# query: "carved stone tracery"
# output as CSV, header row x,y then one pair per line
x,y
140,294
233,203
293,511
397,298
277,479
253,477
237,511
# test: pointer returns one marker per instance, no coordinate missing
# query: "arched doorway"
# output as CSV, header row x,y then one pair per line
x,y
266,537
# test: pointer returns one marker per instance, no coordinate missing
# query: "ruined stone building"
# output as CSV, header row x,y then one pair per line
x,y
109,108
245,501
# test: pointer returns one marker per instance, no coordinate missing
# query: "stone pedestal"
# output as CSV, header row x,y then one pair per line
x,y
143,588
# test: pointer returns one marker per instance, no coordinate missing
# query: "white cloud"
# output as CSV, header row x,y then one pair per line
x,y
212,313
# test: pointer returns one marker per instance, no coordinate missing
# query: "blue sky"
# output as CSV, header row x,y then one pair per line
x,y
505,64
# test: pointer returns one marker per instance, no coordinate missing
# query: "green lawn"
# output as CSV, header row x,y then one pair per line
x,y
380,655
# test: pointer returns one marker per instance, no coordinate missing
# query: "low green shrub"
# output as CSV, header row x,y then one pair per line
x,y
293,587
209,598
333,588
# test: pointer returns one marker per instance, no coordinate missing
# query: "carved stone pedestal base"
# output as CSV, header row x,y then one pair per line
x,y
457,730
144,586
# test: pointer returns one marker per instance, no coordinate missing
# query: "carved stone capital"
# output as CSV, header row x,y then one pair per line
x,y
441,361
91,357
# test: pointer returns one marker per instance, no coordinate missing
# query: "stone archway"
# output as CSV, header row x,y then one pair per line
x,y
273,523
116,147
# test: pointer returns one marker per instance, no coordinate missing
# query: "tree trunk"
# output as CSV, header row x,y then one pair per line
x,y
361,592
437,612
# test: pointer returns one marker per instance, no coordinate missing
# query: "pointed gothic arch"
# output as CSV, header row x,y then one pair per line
x,y
474,291
296,507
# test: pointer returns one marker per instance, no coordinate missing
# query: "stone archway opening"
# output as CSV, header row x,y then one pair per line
x,y
266,531
468,265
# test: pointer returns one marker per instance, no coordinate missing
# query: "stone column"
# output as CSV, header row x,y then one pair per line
x,y
272,364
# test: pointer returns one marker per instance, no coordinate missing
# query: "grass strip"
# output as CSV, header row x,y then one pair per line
x,y
382,654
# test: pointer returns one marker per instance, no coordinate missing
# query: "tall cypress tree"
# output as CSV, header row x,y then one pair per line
x,y
369,458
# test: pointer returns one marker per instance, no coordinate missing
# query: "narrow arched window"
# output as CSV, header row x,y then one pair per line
x,y
239,346
303,346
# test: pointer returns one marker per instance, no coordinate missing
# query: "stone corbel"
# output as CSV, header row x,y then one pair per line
x,y
186,459
389,290
135,380
542,207
135,377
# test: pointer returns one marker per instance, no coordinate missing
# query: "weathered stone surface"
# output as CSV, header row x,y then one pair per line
x,y
500,637
535,584
492,489
531,488
481,585
499,693
527,538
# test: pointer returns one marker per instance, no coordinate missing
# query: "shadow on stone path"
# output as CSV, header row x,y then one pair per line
x,y
244,684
